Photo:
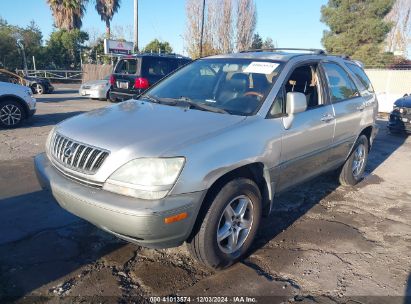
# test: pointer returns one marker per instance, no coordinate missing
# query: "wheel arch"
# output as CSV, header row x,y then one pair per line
x,y
367,132
257,172
17,99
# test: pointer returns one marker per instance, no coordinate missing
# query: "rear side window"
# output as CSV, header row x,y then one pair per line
x,y
126,66
340,84
158,66
362,77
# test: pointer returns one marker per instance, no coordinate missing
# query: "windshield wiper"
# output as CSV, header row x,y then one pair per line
x,y
183,101
166,101
200,106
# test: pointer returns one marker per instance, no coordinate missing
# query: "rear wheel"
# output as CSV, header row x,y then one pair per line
x,y
11,114
353,170
229,225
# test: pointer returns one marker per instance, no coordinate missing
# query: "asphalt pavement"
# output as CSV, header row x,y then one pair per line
x,y
324,243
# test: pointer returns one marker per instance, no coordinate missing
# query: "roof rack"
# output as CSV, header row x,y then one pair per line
x,y
160,54
313,51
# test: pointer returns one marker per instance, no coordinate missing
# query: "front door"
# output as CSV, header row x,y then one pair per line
x,y
306,143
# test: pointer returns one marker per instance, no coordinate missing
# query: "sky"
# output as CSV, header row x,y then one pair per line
x,y
292,23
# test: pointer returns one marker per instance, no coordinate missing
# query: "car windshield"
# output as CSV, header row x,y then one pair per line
x,y
234,86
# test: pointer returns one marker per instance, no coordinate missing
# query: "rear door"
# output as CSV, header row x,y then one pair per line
x,y
348,110
126,71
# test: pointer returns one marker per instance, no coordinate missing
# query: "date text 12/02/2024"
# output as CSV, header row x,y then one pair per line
x,y
203,299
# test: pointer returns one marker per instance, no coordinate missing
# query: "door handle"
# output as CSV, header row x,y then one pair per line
x,y
327,117
361,107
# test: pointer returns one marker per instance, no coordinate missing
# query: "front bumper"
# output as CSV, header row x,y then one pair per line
x,y
398,123
32,112
135,220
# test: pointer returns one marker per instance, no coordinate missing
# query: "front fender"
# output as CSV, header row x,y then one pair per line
x,y
256,140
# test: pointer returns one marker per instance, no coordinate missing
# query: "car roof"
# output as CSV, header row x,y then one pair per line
x,y
284,55
162,55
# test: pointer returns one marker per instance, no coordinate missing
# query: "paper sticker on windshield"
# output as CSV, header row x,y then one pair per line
x,y
261,67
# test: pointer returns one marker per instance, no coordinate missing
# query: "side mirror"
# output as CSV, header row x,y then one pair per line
x,y
296,103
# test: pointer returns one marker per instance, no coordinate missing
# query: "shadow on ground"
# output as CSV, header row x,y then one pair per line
x,y
41,120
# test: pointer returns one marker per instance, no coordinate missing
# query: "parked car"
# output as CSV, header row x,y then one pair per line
x,y
400,117
38,85
201,156
134,74
16,104
96,89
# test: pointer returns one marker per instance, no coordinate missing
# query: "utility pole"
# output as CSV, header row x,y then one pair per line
x,y
202,31
21,45
136,25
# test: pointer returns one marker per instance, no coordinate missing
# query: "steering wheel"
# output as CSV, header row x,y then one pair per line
x,y
253,93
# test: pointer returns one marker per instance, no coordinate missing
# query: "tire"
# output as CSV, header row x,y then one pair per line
x,y
39,89
11,114
353,170
204,245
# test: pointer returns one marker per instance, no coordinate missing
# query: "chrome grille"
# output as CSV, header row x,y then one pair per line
x,y
76,156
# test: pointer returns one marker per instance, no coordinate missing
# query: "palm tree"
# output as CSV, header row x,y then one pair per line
x,y
67,13
106,9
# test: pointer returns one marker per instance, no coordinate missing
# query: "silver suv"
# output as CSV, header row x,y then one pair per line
x,y
200,157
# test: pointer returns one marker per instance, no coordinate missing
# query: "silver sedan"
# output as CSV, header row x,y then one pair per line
x,y
96,89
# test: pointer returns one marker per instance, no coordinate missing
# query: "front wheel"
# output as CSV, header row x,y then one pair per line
x,y
11,114
229,225
353,170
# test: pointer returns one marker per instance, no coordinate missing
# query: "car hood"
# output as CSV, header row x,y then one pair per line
x,y
95,82
135,129
404,102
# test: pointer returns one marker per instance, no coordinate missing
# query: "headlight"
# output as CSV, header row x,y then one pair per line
x,y
146,178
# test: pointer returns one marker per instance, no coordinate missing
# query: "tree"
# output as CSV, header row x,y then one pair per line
x,y
106,9
399,36
156,46
269,43
67,13
357,28
64,47
257,42
193,32
219,26
31,39
225,26
246,23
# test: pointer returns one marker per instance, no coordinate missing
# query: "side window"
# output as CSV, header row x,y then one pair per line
x,y
278,104
126,66
305,79
158,66
362,77
340,84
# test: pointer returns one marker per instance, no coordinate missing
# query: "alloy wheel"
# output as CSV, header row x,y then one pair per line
x,y
10,115
39,89
358,161
235,224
